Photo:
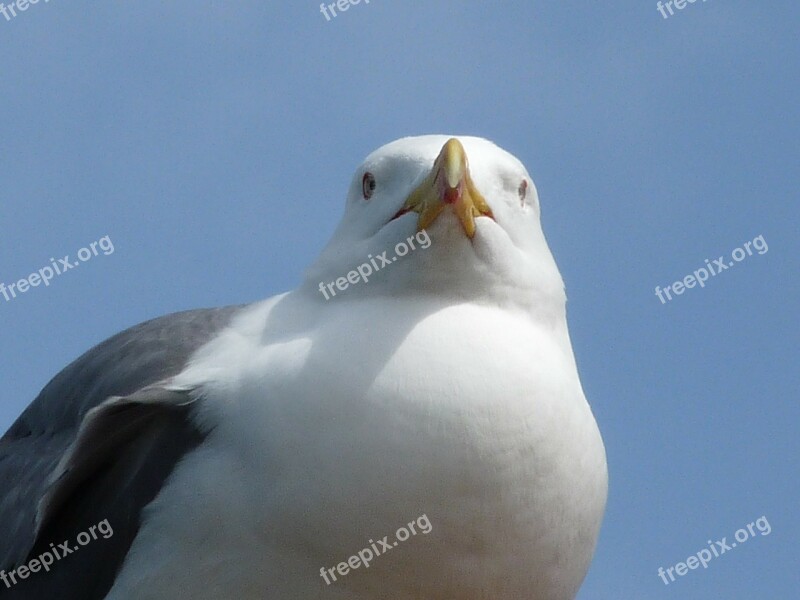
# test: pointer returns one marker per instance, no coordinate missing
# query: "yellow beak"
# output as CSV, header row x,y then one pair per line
x,y
449,183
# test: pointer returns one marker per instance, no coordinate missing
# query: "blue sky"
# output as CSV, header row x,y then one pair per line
x,y
213,143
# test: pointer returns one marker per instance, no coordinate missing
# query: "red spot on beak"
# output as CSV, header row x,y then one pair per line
x,y
451,195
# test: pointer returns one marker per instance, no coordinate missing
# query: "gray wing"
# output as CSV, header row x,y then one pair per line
x,y
97,444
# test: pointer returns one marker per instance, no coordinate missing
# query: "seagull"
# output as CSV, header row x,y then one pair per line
x,y
422,369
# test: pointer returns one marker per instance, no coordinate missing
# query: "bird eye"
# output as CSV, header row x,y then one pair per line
x,y
523,191
368,185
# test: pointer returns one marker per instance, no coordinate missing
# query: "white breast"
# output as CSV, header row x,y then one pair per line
x,y
328,437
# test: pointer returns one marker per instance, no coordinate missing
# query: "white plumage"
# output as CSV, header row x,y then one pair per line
x,y
445,385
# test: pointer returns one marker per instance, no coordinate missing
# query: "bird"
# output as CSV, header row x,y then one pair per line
x,y
408,423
